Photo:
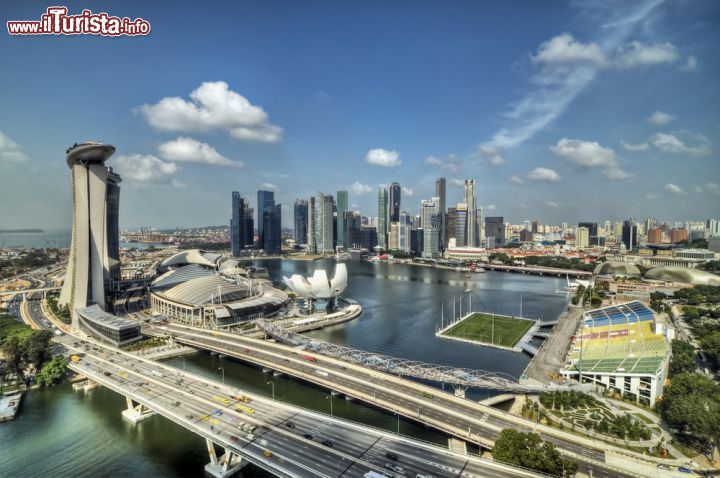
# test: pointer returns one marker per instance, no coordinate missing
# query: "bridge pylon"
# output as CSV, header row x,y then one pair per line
x,y
460,390
136,413
227,465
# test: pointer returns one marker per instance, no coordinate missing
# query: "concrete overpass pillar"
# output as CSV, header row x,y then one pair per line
x,y
460,391
136,413
227,465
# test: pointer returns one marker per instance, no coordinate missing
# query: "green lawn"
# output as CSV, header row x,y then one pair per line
x,y
489,329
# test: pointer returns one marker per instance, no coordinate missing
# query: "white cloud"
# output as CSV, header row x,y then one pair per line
x,y
147,169
213,105
712,188
552,204
269,187
490,207
590,154
188,150
565,49
359,189
637,54
407,192
457,182
691,64
635,147
543,174
659,118
447,162
516,180
491,154
670,143
10,151
674,189
383,157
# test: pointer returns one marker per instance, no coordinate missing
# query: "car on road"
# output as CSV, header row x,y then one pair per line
x,y
267,453
663,467
327,443
391,455
684,469
308,436
233,438
290,425
189,416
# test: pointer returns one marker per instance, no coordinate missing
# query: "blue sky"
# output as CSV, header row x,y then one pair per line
x,y
561,111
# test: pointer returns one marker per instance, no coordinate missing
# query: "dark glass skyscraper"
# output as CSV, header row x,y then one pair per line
x,y
440,193
236,225
629,234
272,229
495,230
265,199
394,202
301,221
342,207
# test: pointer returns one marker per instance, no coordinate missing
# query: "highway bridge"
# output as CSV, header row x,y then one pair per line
x,y
546,271
286,440
456,416
460,378
25,292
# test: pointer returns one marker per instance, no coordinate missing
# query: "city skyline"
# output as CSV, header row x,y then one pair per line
x,y
626,115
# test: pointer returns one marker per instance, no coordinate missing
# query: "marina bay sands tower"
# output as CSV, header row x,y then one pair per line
x,y
94,261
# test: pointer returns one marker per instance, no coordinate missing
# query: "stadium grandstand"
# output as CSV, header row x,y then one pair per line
x,y
621,348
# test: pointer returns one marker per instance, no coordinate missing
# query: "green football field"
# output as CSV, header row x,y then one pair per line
x,y
489,329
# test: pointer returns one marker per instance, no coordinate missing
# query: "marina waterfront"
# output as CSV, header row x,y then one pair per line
x,y
60,432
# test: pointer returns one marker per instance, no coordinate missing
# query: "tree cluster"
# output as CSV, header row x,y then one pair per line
x,y
529,451
53,371
711,266
691,403
22,347
683,358
699,294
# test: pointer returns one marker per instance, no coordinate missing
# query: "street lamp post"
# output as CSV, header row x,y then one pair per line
x,y
273,388
223,374
331,405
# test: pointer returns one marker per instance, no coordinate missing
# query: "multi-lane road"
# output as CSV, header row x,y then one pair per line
x,y
288,440
457,416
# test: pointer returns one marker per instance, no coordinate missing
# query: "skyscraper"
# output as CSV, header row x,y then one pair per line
x,y
300,221
342,207
394,202
582,237
94,250
382,221
323,223
265,199
461,219
238,224
629,234
311,225
440,193
495,231
248,229
429,211
471,201
272,229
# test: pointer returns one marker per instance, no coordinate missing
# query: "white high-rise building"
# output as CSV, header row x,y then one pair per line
x,y
471,224
582,237
94,260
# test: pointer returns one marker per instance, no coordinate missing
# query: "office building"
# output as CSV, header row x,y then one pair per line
x,y
366,238
712,226
300,221
342,207
430,218
582,237
450,225
534,227
460,221
382,220
495,229
440,192
629,234
471,222
265,199
323,223
312,247
241,225
592,228
94,260
394,207
272,229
